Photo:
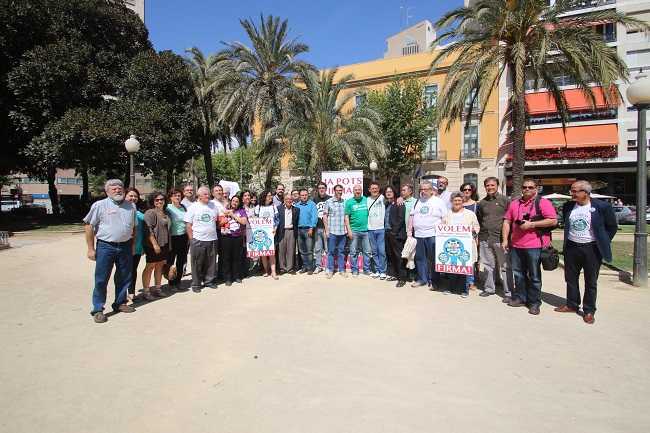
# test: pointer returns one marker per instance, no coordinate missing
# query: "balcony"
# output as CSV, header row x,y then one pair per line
x,y
585,4
434,155
470,153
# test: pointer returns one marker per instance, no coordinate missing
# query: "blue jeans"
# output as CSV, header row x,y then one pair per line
x,y
359,240
107,255
320,246
378,249
425,251
528,274
335,247
306,249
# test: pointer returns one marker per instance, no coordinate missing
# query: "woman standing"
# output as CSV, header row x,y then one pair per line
x,y
395,227
470,197
266,210
233,226
156,245
459,215
179,242
133,195
247,265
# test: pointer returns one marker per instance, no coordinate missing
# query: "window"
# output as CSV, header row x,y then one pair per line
x,y
574,116
638,58
471,178
431,146
631,144
430,95
410,48
360,99
468,102
607,31
470,141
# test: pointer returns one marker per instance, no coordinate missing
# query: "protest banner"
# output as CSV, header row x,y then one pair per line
x,y
347,179
261,242
454,251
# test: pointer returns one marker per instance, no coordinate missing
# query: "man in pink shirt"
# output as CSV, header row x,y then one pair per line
x,y
526,230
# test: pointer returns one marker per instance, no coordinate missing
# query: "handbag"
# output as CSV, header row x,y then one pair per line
x,y
550,257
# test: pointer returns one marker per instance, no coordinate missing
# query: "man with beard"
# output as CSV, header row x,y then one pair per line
x,y
188,196
110,229
320,240
278,198
443,192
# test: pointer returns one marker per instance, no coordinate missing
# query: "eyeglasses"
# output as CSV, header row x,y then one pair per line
x,y
467,189
528,187
159,199
575,191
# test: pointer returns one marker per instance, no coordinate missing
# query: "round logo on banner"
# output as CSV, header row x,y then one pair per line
x,y
424,210
453,252
260,240
579,225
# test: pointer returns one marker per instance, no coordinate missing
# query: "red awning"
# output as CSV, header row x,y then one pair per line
x,y
575,136
542,102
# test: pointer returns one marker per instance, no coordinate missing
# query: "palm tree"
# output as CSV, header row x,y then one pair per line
x,y
526,40
321,132
258,82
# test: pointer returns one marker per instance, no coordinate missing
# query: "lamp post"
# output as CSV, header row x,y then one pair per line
x,y
638,94
132,146
373,168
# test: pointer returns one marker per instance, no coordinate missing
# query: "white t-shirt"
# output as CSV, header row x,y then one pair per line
x,y
580,229
220,207
376,213
203,219
266,211
426,214
445,196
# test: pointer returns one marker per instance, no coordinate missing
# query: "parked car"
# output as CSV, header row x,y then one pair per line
x,y
625,215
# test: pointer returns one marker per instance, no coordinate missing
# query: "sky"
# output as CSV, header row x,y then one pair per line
x,y
338,32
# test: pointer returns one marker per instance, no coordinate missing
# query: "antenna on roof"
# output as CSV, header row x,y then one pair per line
x,y
404,15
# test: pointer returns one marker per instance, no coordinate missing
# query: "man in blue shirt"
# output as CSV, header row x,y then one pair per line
x,y
307,220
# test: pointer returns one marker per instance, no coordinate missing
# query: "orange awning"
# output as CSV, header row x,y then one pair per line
x,y
576,136
542,102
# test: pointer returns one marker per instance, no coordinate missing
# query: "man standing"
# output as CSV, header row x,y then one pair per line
x,y
188,196
285,238
111,222
306,225
320,240
426,213
295,196
376,231
524,219
334,223
218,198
443,192
492,258
356,224
590,225
201,227
409,200
278,198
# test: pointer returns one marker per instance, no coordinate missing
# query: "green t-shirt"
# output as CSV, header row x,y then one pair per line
x,y
177,215
408,205
357,210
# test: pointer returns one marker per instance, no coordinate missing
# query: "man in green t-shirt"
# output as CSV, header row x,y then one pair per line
x,y
356,223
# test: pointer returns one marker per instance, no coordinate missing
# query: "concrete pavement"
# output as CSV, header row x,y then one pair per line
x,y
307,354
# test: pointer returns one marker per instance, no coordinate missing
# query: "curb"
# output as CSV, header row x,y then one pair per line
x,y
29,232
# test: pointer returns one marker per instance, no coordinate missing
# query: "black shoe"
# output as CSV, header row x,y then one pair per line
x,y
237,280
400,284
196,289
516,303
228,283
302,271
310,272
100,317
534,310
485,294
506,299
211,286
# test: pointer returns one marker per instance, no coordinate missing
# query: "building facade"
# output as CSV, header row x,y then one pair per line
x,y
137,6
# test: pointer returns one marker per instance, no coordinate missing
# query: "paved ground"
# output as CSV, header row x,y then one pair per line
x,y
311,355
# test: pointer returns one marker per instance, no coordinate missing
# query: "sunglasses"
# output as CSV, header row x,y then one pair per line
x,y
575,191
529,187
159,199
467,189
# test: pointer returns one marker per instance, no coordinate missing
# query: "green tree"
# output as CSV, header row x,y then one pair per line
x,y
404,125
258,82
321,133
527,40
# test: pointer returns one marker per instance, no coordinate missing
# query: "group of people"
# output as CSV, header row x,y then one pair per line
x,y
383,235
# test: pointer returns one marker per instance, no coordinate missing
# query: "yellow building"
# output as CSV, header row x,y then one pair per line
x,y
460,153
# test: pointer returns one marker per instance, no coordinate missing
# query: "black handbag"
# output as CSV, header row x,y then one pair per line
x,y
550,257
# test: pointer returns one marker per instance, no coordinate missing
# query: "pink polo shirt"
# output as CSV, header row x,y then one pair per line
x,y
528,238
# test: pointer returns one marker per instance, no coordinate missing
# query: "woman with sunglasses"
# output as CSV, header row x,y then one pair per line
x,y
133,195
265,209
233,226
179,242
470,202
156,245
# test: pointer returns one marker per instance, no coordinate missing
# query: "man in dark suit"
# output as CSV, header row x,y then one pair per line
x,y
285,234
395,226
589,227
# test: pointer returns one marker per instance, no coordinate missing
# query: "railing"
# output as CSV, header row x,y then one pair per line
x,y
434,155
584,4
470,153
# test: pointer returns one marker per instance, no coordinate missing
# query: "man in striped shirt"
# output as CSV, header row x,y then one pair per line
x,y
334,223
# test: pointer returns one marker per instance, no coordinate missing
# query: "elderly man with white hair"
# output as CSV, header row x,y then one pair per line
x,y
427,212
589,227
110,229
201,224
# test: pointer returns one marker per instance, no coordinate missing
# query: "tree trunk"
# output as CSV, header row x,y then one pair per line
x,y
52,191
207,159
85,190
169,180
518,132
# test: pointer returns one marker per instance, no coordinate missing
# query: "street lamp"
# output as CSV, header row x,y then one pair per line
x,y
132,146
638,93
373,167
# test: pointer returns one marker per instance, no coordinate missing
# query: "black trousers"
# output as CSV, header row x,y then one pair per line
x,y
134,273
231,254
396,265
178,256
581,257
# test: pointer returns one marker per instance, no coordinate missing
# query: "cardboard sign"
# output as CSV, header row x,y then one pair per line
x,y
347,179
261,242
454,249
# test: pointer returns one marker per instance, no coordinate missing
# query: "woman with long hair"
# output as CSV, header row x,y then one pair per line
x,y
265,209
248,265
133,195
179,242
233,226
470,197
395,227
156,245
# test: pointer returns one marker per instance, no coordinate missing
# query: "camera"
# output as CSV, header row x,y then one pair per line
x,y
525,217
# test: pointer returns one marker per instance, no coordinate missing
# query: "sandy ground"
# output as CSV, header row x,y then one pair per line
x,y
306,354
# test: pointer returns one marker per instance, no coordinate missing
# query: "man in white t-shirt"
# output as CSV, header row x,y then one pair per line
x,y
201,226
445,195
426,213
376,230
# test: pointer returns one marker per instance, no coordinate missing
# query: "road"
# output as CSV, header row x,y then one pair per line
x,y
307,354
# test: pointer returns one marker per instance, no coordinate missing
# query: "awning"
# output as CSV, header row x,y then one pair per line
x,y
542,102
576,136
